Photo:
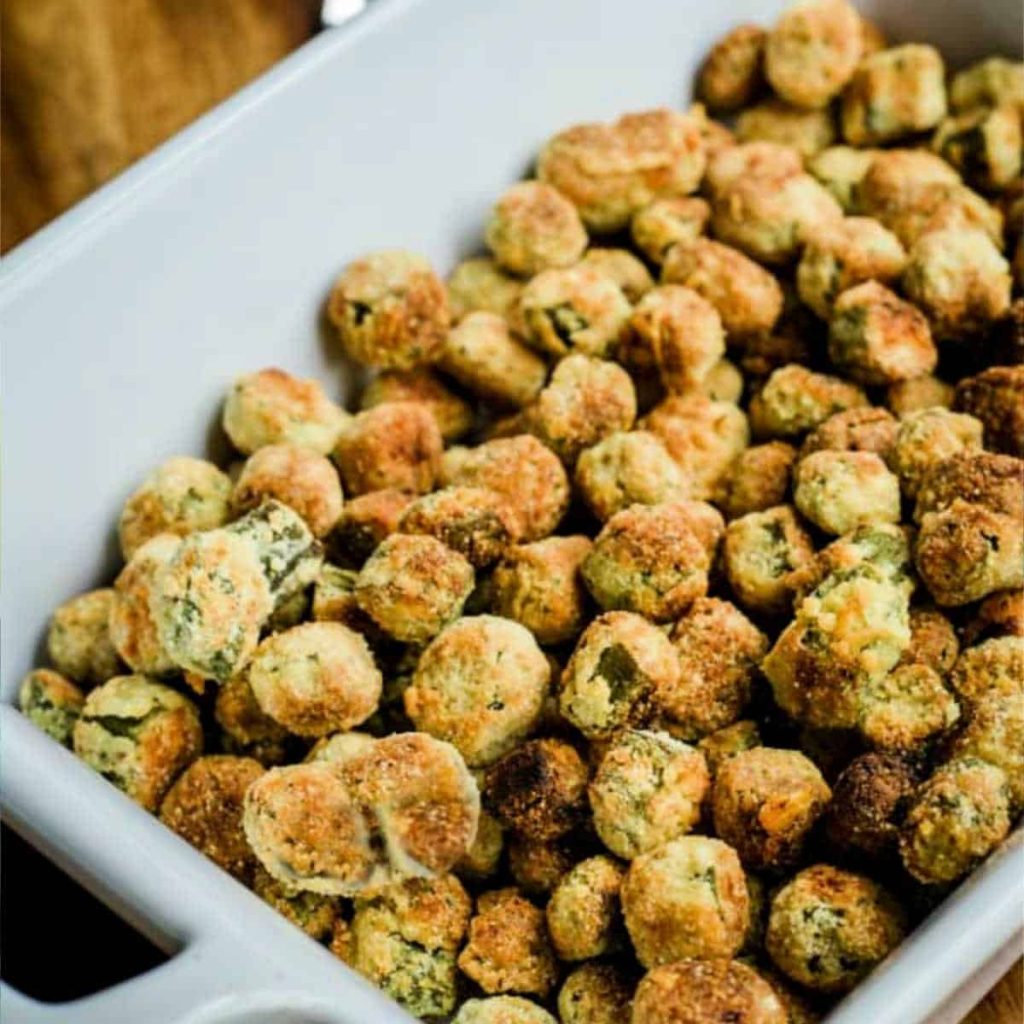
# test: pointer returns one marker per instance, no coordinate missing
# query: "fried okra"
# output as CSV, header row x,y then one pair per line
x,y
648,559
622,267
180,496
958,816
839,491
999,615
538,789
933,641
773,120
683,333
522,471
705,992
758,479
575,309
365,521
812,51
844,254
828,928
78,640
583,914
585,400
273,407
908,396
703,436
647,789
988,83
246,729
538,585
996,398
139,735
768,161
865,429
473,521
983,144
718,649
538,867
480,285
132,629
484,357
765,803
390,310
869,801
906,708
795,400
454,415
316,678
732,74
405,806
404,939
412,586
204,806
685,898
313,913
595,993
659,225
628,468
51,702
508,948
298,477
483,857
502,1010
717,747
771,219
959,280
841,169
926,438
533,227
620,661
611,170
851,629
393,445
748,298
480,685
894,93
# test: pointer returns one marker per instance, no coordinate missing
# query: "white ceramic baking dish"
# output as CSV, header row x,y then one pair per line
x,y
124,322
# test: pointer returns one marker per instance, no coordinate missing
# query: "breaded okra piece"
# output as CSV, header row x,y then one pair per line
x,y
718,649
647,789
480,685
623,267
522,471
480,285
533,227
583,915
273,407
51,702
139,735
765,803
508,948
390,310
610,170
364,523
659,225
732,74
412,586
983,144
204,806
686,898
958,816
996,398
839,491
393,445
502,1010
866,429
812,51
595,993
78,640
584,402
774,120
705,992
181,496
988,83
828,928
620,661
758,479
452,413
538,790
404,938
905,709
246,729
795,400
894,93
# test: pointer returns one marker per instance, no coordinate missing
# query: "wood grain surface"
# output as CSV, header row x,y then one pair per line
x,y
88,86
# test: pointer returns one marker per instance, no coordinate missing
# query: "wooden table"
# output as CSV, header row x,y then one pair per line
x,y
88,86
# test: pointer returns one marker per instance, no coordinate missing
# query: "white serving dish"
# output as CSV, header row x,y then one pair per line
x,y
125,320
